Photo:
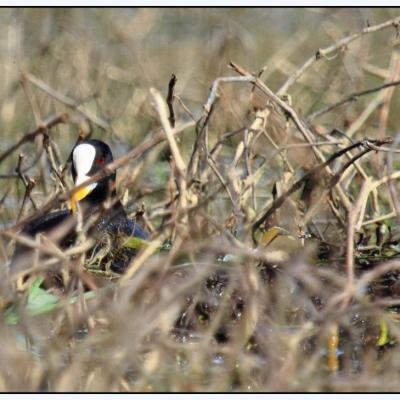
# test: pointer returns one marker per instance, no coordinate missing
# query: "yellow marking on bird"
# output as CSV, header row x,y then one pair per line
x,y
79,195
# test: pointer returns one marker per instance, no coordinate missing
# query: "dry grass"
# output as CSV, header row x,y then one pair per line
x,y
272,259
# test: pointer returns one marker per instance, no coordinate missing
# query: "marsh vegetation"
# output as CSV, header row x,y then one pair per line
x,y
259,149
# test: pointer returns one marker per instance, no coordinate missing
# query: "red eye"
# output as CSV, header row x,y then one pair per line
x,y
101,161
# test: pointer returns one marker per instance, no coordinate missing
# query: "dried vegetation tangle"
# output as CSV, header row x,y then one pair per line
x,y
271,199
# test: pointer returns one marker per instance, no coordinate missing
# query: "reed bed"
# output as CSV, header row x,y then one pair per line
x,y
259,148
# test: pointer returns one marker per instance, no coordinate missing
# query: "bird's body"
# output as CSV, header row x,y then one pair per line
x,y
88,157
46,222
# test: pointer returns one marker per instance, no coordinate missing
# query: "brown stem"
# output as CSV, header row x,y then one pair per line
x,y
334,180
40,130
170,100
352,97
341,44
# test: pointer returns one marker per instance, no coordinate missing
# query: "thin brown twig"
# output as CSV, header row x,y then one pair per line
x,y
334,180
351,229
52,161
297,185
29,184
340,45
202,123
28,190
170,100
214,168
201,131
73,104
185,108
351,98
49,123
165,122
301,126
392,190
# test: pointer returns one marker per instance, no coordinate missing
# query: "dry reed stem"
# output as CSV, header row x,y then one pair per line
x,y
301,126
353,217
74,105
340,45
354,97
49,123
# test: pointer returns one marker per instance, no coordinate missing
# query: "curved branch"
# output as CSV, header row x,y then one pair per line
x,y
341,44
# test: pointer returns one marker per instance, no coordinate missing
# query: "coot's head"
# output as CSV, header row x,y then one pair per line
x,y
88,157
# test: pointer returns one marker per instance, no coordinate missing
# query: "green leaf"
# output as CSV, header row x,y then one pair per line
x,y
11,316
40,302
383,334
133,242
